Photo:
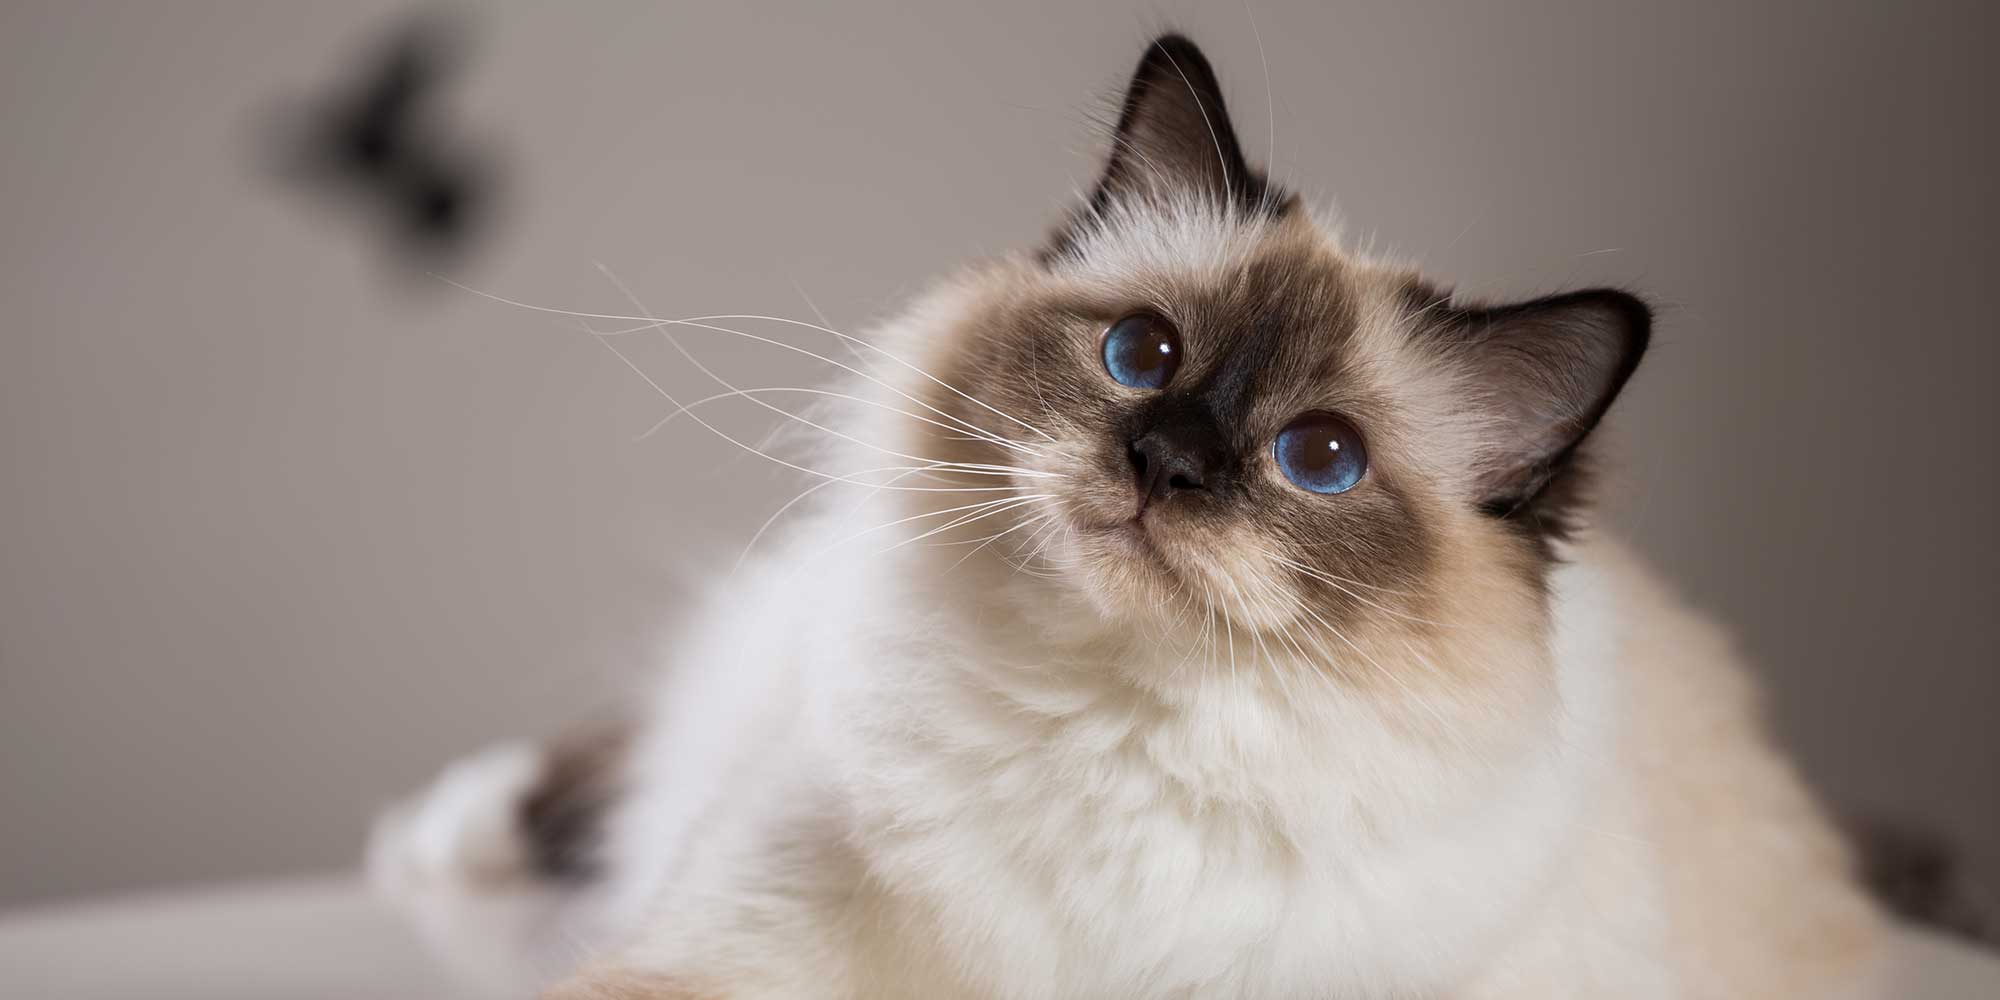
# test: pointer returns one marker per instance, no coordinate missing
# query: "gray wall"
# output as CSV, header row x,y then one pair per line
x,y
282,527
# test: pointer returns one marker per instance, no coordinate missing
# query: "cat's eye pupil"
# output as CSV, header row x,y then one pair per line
x,y
1141,351
1321,452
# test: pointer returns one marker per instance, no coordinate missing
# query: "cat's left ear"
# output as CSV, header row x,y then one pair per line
x,y
1174,141
1543,374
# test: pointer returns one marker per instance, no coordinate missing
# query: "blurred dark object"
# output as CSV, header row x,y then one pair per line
x,y
1917,876
382,141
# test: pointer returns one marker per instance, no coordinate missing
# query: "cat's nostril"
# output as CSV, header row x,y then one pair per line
x,y
1181,482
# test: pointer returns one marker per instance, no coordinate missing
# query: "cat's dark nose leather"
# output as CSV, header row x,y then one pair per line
x,y
1172,458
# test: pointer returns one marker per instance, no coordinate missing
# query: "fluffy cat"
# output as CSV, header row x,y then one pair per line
x,y
1202,610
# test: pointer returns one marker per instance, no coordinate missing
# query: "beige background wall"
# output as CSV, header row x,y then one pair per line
x,y
281,528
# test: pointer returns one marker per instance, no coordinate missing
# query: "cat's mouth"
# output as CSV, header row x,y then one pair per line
x,y
1136,540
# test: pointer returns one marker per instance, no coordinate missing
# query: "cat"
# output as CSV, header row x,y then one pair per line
x,y
1204,610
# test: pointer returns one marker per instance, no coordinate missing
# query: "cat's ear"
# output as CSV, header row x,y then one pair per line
x,y
1174,139
1543,374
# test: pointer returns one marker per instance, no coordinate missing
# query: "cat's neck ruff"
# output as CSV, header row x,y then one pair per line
x,y
984,753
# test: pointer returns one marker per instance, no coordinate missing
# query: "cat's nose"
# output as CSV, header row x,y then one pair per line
x,y
1166,461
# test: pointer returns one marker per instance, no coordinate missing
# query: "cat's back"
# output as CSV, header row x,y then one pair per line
x,y
1754,881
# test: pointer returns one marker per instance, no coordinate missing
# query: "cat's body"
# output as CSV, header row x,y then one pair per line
x,y
1469,755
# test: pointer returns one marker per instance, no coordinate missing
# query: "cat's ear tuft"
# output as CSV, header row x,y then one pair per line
x,y
1174,142
1544,373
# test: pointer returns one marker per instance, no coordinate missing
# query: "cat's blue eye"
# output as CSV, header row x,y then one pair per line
x,y
1141,351
1321,452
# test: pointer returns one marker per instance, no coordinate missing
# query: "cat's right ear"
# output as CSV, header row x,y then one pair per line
x,y
1174,143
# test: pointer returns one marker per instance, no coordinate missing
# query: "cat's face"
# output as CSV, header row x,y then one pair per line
x,y
1217,429
1229,419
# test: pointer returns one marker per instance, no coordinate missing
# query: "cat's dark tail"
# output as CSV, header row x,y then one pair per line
x,y
562,816
490,859
516,815
1918,877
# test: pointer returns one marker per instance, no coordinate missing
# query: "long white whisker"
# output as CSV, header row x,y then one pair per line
x,y
669,418
1445,727
726,384
1340,584
724,435
794,501
990,539
655,323
918,517
999,507
974,400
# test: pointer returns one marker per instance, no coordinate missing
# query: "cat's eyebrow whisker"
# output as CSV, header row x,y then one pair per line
x,y
807,390
1270,107
1221,160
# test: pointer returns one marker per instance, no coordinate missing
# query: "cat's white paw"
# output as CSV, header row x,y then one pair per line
x,y
464,831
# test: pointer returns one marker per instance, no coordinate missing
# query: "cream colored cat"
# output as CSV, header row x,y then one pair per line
x,y
1196,609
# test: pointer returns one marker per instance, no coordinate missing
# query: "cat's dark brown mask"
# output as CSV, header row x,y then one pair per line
x,y
1230,411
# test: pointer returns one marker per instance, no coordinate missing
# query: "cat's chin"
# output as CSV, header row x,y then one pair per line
x,y
1129,570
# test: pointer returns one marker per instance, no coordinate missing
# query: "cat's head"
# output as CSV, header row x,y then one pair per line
x,y
1228,414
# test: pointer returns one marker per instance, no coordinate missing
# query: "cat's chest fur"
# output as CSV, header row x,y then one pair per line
x,y
1062,834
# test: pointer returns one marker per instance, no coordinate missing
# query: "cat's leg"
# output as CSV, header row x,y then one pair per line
x,y
496,860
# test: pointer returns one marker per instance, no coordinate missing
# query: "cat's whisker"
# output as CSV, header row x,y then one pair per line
x,y
726,384
961,510
1342,584
1445,728
1270,109
794,501
1000,507
704,322
1257,635
656,324
727,437
807,390
852,351
1039,541
1221,158
767,456
974,400
1278,557
990,539
1200,638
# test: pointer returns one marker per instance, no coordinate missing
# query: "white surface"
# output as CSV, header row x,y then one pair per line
x,y
327,939
319,939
